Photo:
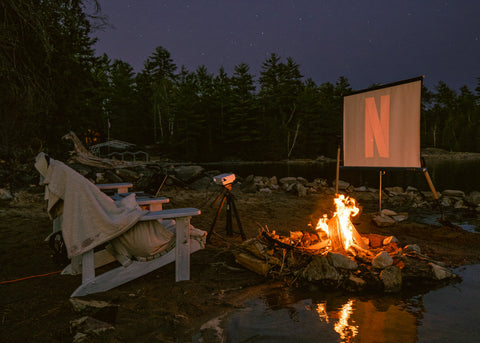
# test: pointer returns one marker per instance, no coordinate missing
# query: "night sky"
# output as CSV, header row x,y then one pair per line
x,y
367,41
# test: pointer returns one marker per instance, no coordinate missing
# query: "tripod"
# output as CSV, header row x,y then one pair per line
x,y
228,196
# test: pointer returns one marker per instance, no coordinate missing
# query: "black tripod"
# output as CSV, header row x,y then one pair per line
x,y
228,196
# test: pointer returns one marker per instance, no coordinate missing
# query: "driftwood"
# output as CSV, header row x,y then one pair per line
x,y
83,156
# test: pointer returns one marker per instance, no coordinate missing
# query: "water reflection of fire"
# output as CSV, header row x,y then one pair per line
x,y
342,327
339,230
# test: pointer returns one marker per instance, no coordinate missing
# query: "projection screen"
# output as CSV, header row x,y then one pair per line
x,y
381,126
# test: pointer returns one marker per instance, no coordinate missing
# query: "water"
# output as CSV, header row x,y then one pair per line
x,y
448,314
445,174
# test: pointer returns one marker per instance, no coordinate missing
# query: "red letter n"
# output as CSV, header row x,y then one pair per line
x,y
376,127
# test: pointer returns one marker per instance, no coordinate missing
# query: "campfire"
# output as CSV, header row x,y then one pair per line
x,y
337,234
336,255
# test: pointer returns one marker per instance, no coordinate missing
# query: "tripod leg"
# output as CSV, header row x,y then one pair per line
x,y
244,237
228,226
216,217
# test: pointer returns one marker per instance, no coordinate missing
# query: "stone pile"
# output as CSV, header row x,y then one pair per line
x,y
386,266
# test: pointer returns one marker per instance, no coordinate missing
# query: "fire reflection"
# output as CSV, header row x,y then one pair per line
x,y
370,321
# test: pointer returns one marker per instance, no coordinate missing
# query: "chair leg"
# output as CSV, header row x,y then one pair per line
x,y
182,249
88,267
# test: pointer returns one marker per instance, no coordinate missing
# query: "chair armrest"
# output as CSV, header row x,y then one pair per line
x,y
171,214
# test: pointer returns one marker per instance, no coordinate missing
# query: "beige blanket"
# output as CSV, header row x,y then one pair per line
x,y
90,217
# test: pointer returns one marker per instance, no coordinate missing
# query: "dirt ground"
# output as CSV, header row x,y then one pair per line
x,y
154,308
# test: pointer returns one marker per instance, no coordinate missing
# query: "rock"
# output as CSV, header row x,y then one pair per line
x,y
355,283
411,189
445,202
81,169
273,181
201,184
301,190
112,177
287,180
319,270
248,185
473,198
440,272
188,173
390,239
341,261
89,326
382,260
387,212
99,310
453,193
5,194
400,217
100,178
127,174
302,180
383,221
412,248
394,190
342,185
265,190
391,277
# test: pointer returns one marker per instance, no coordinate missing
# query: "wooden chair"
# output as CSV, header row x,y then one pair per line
x,y
89,260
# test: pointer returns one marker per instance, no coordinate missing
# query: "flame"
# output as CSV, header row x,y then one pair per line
x,y
346,207
323,224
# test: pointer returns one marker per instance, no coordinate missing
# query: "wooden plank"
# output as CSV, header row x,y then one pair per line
x,y
182,249
171,214
88,266
101,258
152,204
121,275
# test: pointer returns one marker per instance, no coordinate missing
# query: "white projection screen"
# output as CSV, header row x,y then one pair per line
x,y
381,126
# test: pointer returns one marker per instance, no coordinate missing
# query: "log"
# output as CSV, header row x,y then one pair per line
x,y
252,263
337,237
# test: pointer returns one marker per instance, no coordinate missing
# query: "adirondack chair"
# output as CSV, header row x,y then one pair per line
x,y
113,227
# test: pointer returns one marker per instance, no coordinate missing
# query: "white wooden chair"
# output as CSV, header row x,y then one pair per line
x,y
89,260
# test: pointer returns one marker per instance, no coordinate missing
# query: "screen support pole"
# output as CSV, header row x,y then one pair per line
x,y
337,176
432,188
382,172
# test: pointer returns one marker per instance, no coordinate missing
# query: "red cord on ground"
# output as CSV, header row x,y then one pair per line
x,y
29,277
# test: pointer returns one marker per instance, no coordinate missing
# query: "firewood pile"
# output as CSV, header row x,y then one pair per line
x,y
378,263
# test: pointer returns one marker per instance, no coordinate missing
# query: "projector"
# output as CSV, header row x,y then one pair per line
x,y
224,179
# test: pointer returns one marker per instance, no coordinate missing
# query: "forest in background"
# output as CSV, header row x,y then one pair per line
x,y
51,82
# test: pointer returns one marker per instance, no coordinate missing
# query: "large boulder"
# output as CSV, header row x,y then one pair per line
x,y
188,173
320,270
391,277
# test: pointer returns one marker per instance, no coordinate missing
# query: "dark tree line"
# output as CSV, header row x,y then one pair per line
x,y
51,83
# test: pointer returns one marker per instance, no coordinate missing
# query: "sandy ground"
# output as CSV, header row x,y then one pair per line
x,y
154,308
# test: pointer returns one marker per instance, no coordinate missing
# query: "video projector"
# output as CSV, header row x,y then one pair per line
x,y
224,179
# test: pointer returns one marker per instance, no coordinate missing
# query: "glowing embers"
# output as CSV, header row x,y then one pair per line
x,y
339,229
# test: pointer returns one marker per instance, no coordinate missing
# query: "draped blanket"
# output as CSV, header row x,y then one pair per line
x,y
90,217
